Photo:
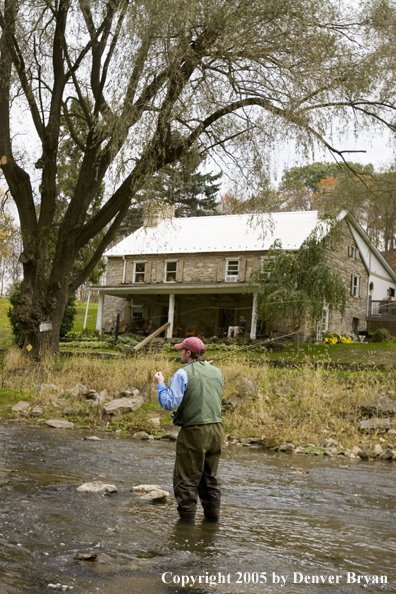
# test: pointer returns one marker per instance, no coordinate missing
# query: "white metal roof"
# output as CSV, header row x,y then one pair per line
x,y
230,233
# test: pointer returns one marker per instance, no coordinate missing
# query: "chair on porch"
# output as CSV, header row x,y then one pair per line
x,y
196,332
177,331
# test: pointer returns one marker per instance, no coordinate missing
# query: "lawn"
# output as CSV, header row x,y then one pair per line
x,y
365,353
5,328
80,316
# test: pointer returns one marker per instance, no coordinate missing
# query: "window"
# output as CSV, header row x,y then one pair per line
x,y
324,325
170,272
140,269
232,271
355,285
325,319
352,252
137,312
329,242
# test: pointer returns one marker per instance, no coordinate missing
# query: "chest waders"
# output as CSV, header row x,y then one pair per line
x,y
199,443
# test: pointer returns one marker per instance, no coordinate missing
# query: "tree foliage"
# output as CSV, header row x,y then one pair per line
x,y
183,186
156,82
297,285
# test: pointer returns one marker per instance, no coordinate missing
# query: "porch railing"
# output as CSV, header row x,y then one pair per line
x,y
381,310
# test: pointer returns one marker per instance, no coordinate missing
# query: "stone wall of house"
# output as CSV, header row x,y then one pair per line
x,y
201,267
339,257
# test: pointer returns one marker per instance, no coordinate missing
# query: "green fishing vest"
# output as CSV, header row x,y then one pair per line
x,y
201,402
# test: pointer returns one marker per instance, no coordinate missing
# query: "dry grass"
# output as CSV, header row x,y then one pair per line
x,y
302,405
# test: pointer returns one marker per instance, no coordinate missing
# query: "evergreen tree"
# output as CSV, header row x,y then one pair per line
x,y
192,193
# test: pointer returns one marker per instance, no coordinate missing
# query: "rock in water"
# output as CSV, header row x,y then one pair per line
x,y
97,487
141,435
59,424
155,495
86,557
92,438
146,488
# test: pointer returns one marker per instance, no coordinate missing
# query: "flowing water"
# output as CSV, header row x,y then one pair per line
x,y
287,521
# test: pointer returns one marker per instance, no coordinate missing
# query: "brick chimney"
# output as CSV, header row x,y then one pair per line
x,y
157,211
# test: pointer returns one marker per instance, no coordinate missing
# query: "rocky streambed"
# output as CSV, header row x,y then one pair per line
x,y
301,519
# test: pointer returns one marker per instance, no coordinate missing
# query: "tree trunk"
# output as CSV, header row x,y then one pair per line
x,y
297,340
40,313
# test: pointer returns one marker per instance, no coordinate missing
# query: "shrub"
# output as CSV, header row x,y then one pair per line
x,y
380,335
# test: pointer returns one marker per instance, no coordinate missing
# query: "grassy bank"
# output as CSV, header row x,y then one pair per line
x,y
5,328
6,338
302,405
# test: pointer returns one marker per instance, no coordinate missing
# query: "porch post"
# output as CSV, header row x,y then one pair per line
x,y
99,317
171,315
86,311
253,325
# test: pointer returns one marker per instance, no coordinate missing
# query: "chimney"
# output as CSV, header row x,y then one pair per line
x,y
157,211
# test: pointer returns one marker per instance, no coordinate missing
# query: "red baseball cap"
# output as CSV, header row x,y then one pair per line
x,y
192,344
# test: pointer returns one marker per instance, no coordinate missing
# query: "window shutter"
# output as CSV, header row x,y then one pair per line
x,y
242,268
349,251
179,271
256,263
221,270
147,272
160,272
351,284
358,286
357,254
129,272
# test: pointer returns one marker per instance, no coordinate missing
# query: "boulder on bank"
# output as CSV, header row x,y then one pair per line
x,y
59,424
130,393
21,407
36,411
123,405
286,447
378,405
386,454
374,424
171,432
97,487
237,387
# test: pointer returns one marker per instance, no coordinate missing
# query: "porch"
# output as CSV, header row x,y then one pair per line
x,y
190,309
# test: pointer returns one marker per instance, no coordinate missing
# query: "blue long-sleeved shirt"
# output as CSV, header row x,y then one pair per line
x,y
171,398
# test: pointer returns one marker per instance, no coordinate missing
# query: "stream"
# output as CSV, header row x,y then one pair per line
x,y
290,523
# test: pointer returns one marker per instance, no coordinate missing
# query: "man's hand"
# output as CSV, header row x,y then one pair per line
x,y
159,378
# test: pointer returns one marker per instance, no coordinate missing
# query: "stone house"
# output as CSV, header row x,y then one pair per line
x,y
195,273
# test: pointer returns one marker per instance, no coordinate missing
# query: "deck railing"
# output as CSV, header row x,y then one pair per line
x,y
381,310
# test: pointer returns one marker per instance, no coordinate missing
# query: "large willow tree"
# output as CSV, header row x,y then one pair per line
x,y
156,80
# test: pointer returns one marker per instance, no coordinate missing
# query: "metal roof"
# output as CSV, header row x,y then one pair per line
x,y
229,233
